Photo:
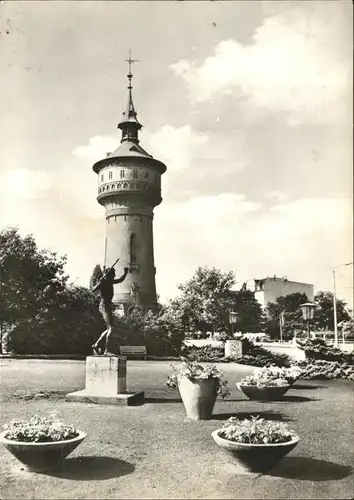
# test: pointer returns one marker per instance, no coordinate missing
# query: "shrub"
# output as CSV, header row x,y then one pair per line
x,y
318,349
326,370
256,431
259,356
252,355
206,353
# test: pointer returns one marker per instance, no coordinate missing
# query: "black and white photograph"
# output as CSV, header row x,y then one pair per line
x,y
176,249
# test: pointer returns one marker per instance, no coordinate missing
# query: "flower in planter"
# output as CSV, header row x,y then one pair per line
x,y
289,374
264,378
192,370
256,430
39,430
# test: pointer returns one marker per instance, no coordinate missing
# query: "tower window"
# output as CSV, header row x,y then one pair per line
x,y
133,248
102,177
122,174
135,174
110,174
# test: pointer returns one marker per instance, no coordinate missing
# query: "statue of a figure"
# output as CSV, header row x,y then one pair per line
x,y
105,288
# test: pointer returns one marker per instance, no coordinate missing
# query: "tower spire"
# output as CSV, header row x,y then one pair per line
x,y
129,124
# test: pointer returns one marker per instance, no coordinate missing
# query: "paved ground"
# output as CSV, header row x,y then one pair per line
x,y
153,451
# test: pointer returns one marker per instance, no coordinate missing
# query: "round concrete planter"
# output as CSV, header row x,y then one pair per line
x,y
41,456
263,393
198,396
254,457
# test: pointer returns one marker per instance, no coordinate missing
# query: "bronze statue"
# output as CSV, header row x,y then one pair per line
x,y
105,288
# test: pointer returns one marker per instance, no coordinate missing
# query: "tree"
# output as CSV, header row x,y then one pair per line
x,y
250,314
161,330
347,328
289,305
95,276
27,277
39,311
205,301
324,313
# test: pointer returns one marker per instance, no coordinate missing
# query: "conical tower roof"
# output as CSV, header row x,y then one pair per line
x,y
130,126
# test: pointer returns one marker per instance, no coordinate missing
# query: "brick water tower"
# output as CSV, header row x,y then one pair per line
x,y
129,187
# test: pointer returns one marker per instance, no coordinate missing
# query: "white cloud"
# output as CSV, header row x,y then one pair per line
x,y
294,65
25,183
177,146
97,148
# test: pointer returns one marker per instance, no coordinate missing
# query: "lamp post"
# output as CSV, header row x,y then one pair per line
x,y
281,324
335,302
308,311
232,320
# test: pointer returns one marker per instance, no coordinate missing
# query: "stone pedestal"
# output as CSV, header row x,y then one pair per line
x,y
233,349
106,383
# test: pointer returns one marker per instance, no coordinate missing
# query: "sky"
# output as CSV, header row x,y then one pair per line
x,y
249,104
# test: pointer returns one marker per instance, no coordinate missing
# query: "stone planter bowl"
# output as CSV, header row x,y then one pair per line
x,y
41,456
263,393
254,457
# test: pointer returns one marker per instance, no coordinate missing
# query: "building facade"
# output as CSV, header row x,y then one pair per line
x,y
270,288
129,187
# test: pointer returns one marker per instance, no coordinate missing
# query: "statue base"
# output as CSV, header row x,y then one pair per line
x,y
106,383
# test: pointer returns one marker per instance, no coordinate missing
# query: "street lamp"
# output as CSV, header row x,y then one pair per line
x,y
281,324
232,320
335,302
308,311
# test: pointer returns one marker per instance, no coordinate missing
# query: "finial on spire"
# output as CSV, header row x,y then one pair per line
x,y
130,124
130,61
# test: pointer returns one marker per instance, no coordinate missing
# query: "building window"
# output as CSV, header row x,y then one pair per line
x,y
110,174
101,177
133,248
135,174
122,174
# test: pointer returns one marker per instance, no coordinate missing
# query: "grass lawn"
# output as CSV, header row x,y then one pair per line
x,y
153,451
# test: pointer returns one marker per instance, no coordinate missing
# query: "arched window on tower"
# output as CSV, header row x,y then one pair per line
x,y
133,248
